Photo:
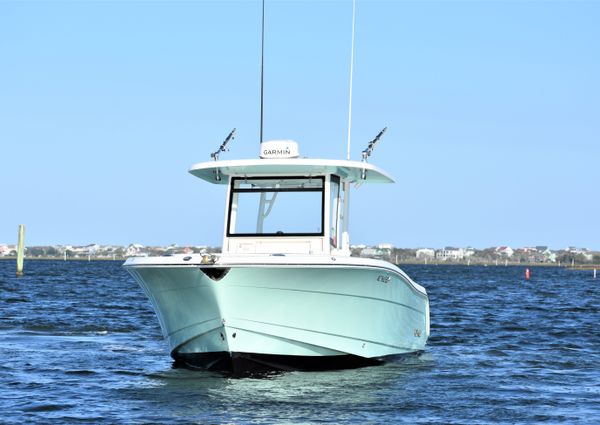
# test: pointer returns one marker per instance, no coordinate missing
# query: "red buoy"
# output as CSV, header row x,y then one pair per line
x,y
527,274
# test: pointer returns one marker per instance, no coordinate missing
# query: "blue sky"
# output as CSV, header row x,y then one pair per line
x,y
493,110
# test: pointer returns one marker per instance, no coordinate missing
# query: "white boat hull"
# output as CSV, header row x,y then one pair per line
x,y
285,316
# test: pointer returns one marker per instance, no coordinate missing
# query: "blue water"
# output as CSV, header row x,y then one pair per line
x,y
80,343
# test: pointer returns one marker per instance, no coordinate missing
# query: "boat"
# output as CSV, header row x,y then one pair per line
x,y
285,292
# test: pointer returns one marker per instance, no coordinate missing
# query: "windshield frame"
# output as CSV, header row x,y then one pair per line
x,y
233,190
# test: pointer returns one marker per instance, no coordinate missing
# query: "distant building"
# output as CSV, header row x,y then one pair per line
x,y
424,253
375,252
581,251
549,256
505,251
576,250
450,254
4,250
388,246
369,252
135,250
93,248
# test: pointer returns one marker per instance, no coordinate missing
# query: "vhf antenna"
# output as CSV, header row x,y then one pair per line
x,y
351,72
223,147
262,72
369,150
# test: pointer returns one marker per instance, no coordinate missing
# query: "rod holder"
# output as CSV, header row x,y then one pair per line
x,y
369,150
223,147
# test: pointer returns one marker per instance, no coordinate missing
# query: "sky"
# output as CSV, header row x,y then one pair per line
x,y
492,109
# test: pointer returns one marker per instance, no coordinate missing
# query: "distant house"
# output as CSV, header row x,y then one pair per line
x,y
581,251
424,253
450,254
505,251
369,252
79,250
549,256
4,250
387,246
93,248
528,249
375,252
135,250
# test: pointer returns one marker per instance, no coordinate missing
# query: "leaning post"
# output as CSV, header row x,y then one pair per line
x,y
20,248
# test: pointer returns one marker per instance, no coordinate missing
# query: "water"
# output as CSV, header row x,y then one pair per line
x,y
80,343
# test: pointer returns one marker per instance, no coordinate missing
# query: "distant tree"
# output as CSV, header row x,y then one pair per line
x,y
52,252
489,254
567,257
403,254
36,251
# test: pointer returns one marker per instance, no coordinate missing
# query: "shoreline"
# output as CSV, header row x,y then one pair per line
x,y
576,266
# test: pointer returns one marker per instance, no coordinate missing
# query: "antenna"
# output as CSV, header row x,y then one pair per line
x,y
367,152
223,147
262,67
351,72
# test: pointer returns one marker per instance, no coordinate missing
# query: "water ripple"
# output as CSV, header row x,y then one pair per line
x,y
80,343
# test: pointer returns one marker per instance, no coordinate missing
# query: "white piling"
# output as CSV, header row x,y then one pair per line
x,y
20,250
594,273
65,255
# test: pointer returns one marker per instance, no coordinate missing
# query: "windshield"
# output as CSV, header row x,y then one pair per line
x,y
285,206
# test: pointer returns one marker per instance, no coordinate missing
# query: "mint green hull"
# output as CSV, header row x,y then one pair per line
x,y
321,310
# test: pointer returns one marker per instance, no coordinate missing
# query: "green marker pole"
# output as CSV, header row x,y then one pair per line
x,y
20,249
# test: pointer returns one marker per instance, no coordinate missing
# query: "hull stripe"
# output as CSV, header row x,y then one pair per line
x,y
332,293
318,332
